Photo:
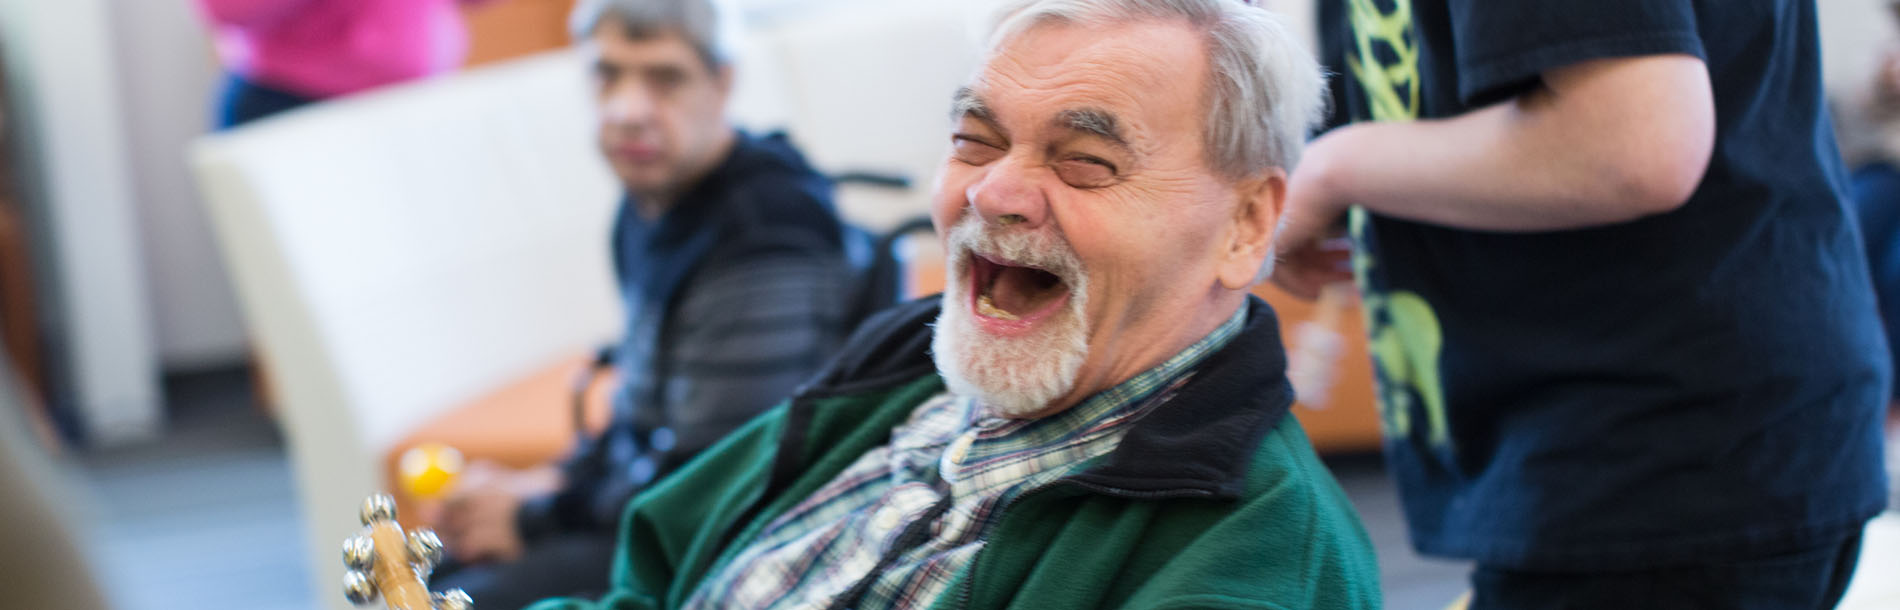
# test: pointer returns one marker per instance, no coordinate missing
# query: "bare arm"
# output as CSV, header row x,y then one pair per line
x,y
1599,142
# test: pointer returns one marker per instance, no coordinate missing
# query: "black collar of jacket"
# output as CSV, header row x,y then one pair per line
x,y
1199,444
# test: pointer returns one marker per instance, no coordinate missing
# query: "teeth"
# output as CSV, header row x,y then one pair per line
x,y
985,307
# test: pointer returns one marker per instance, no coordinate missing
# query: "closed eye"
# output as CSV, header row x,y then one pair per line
x,y
969,149
1082,171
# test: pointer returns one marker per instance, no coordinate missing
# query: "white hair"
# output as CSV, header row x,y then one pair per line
x,y
708,25
1265,92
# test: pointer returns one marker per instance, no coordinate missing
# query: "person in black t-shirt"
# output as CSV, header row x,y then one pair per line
x,y
1627,350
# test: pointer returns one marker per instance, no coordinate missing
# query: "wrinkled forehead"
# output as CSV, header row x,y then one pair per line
x,y
1149,74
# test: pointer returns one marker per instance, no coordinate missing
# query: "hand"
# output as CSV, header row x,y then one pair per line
x,y
477,520
1311,248
1305,272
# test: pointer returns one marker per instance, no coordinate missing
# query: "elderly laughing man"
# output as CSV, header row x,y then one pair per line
x,y
1095,412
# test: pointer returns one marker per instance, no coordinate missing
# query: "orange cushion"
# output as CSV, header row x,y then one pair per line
x,y
1349,420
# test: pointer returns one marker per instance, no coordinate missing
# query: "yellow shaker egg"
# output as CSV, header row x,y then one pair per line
x,y
429,470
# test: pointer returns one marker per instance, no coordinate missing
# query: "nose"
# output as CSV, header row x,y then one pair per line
x,y
1008,195
627,104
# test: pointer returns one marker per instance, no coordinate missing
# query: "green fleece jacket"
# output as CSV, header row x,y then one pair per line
x,y
1214,500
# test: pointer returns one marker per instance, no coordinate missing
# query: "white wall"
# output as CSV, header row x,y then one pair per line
x,y
61,65
166,76
1302,16
1852,34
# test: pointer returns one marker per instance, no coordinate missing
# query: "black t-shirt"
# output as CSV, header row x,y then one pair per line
x,y
1689,386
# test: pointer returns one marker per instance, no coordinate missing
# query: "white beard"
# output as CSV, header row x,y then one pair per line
x,y
1019,376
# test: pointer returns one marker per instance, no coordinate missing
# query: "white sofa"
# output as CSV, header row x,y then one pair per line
x,y
868,90
402,252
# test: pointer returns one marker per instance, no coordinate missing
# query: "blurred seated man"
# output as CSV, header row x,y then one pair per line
x,y
1095,412
730,261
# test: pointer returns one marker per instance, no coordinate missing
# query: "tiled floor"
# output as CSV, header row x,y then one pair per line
x,y
204,519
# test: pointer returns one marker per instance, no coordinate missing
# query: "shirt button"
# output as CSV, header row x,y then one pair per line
x,y
641,471
887,518
661,439
961,448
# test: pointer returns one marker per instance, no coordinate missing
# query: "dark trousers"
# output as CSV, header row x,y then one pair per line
x,y
560,565
1810,579
243,101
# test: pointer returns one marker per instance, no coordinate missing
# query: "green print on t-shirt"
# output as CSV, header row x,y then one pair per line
x,y
1405,335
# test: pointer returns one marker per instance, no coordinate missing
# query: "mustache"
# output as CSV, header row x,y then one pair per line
x,y
1046,250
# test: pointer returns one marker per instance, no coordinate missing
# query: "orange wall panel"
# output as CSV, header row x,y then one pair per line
x,y
506,29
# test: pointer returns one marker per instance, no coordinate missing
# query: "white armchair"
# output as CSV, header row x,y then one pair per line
x,y
399,253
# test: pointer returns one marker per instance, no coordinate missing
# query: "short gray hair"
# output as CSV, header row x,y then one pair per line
x,y
1265,92
703,23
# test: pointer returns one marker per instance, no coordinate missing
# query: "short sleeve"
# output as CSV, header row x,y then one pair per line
x,y
1503,46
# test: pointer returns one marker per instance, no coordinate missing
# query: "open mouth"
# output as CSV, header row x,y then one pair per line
x,y
1009,292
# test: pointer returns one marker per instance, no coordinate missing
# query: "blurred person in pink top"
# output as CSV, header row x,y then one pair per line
x,y
281,54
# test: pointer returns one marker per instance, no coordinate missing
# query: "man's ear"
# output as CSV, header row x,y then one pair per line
x,y
1250,235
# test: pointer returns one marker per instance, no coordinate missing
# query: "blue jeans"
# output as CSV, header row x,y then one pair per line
x,y
243,101
1809,579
